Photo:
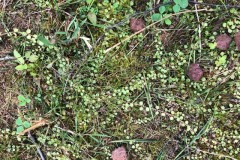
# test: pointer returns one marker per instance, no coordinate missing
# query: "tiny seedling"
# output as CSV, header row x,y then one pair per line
x,y
221,61
160,15
22,101
21,60
212,45
180,4
21,125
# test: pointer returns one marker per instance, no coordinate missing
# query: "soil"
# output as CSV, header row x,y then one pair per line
x,y
5,46
6,98
6,117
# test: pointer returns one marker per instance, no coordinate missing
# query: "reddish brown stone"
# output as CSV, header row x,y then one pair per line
x,y
195,72
136,24
223,41
119,154
237,40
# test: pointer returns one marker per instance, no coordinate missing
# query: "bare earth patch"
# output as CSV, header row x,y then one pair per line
x,y
7,111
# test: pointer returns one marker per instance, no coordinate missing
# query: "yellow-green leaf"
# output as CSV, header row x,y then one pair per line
x,y
21,67
16,54
212,45
92,18
33,58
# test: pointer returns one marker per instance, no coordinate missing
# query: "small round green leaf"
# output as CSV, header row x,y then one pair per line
x,y
22,103
20,129
19,121
26,124
177,1
184,3
21,98
116,5
168,22
176,8
156,17
212,45
162,9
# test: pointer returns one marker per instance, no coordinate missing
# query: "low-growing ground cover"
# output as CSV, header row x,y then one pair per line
x,y
119,79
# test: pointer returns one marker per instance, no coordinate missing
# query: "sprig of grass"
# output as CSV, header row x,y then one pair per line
x,y
195,138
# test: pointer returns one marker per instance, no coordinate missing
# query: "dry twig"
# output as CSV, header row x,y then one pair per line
x,y
136,33
35,126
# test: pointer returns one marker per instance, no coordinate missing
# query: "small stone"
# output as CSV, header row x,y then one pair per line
x,y
136,24
119,154
223,41
195,72
237,40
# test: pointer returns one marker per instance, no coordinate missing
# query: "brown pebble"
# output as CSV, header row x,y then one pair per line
x,y
223,41
136,24
119,153
195,72
237,40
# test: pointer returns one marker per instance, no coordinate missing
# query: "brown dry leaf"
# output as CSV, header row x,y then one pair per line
x,y
136,24
223,41
195,72
119,153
